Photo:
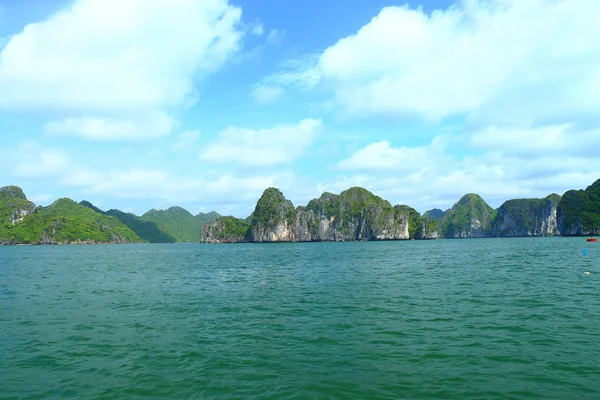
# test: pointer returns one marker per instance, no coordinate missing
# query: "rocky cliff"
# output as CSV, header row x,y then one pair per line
x,y
471,217
578,213
527,217
14,206
429,229
355,214
274,219
225,230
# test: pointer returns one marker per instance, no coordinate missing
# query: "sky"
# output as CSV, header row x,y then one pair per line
x,y
141,104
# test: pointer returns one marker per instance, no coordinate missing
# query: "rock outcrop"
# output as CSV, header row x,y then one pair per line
x,y
578,212
471,217
429,229
354,215
527,217
274,219
225,230
14,206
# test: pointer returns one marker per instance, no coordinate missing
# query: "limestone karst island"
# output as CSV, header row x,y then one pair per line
x,y
354,215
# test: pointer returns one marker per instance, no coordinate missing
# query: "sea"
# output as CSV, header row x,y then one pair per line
x,y
446,319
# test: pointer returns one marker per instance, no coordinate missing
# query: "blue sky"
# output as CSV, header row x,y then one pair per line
x,y
205,103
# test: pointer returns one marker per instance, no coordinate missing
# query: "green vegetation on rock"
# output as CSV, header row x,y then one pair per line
x,y
435,214
526,217
430,229
226,230
14,207
356,204
179,223
327,205
579,211
66,221
470,217
271,209
233,228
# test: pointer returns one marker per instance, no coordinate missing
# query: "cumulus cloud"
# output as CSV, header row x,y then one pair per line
x,y
260,148
108,65
495,61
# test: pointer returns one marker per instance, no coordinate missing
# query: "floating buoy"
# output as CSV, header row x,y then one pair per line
x,y
586,273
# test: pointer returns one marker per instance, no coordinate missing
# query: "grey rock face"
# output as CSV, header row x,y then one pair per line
x,y
527,217
354,215
225,230
429,229
273,219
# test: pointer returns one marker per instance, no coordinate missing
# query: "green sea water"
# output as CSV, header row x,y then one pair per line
x,y
448,319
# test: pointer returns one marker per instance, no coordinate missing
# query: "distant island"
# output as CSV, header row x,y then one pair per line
x,y
358,215
354,215
68,222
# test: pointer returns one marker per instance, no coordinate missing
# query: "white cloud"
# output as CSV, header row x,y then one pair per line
x,y
300,73
510,164
554,140
381,156
257,29
266,94
114,62
266,147
146,184
186,141
214,189
33,161
496,61
113,129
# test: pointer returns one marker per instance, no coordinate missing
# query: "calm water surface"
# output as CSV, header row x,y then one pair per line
x,y
451,319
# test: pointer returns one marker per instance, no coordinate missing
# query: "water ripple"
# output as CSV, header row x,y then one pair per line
x,y
453,319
